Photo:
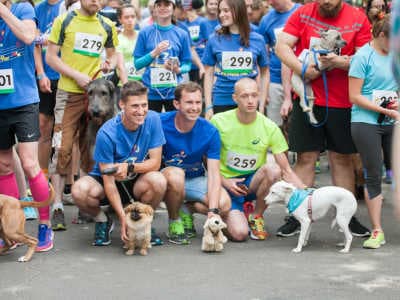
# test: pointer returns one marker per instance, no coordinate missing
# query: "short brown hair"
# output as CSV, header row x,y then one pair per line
x,y
132,88
189,87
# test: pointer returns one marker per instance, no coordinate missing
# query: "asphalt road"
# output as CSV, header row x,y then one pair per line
x,y
251,270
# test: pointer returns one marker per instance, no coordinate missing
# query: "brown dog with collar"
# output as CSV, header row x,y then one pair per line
x,y
12,223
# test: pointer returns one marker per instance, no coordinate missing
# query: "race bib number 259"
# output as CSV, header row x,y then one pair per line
x,y
242,163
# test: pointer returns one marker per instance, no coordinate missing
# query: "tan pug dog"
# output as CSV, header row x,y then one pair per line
x,y
138,220
12,223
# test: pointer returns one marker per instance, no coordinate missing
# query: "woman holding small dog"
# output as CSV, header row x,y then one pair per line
x,y
372,120
232,52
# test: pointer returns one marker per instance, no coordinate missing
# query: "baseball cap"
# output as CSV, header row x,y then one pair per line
x,y
158,1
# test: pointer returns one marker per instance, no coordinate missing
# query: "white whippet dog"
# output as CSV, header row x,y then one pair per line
x,y
314,207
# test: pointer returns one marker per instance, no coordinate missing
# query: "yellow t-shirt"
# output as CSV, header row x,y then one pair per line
x,y
85,37
244,146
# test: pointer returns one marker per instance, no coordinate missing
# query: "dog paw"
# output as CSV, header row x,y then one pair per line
x,y
340,244
143,252
129,252
22,259
344,250
296,250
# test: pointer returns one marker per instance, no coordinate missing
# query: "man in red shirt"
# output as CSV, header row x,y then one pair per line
x,y
302,33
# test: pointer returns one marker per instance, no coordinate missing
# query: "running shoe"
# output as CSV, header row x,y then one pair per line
x,y
176,233
317,167
102,232
155,239
45,237
257,230
58,220
30,212
357,229
290,228
389,177
376,240
248,209
187,220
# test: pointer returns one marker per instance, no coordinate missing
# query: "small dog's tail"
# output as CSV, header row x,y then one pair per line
x,y
37,204
333,223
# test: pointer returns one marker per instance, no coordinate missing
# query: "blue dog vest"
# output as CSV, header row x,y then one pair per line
x,y
297,198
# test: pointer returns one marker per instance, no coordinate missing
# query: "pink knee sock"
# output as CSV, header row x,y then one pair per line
x,y
40,192
9,186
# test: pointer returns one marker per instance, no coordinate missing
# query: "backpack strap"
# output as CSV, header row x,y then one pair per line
x,y
64,25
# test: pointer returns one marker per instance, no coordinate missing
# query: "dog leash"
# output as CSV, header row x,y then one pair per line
x,y
324,79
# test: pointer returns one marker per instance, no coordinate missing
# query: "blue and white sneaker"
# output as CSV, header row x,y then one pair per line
x,y
46,238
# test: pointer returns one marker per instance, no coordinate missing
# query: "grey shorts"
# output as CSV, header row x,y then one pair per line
x,y
196,189
275,103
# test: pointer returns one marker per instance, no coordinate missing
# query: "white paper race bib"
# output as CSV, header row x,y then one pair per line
x,y
241,162
194,32
88,44
379,96
234,62
6,81
160,77
131,71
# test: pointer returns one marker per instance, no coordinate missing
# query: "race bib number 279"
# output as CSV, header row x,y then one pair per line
x,y
88,44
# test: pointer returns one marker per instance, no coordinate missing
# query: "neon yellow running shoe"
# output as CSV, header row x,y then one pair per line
x,y
376,240
187,220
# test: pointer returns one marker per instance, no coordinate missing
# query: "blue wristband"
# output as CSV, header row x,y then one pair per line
x,y
209,107
40,76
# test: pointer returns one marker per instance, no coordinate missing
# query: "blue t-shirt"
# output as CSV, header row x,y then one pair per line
x,y
239,66
194,32
375,70
116,144
17,65
187,150
207,28
149,37
46,13
271,24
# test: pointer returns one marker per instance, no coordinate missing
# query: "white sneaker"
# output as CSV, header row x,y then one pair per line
x,y
67,199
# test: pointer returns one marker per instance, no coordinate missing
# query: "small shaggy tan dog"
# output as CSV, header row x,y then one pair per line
x,y
138,219
213,238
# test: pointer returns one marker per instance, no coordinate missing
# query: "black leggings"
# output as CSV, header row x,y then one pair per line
x,y
370,140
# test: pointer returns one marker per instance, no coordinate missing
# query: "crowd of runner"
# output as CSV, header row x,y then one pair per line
x,y
206,115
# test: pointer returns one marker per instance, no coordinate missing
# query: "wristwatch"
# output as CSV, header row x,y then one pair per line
x,y
131,168
214,210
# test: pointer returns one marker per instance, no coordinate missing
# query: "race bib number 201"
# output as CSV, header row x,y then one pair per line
x,y
242,163
6,81
88,44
